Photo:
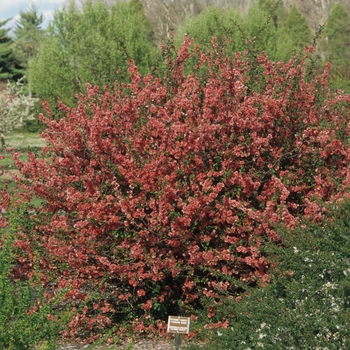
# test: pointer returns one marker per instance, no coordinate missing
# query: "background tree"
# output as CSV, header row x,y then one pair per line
x,y
164,15
293,34
8,67
138,7
167,16
27,36
15,108
262,23
267,24
337,45
315,11
89,45
213,21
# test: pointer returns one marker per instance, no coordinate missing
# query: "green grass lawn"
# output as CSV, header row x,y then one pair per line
x,y
7,162
24,140
21,142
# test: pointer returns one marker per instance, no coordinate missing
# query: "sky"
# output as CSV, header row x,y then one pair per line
x,y
12,8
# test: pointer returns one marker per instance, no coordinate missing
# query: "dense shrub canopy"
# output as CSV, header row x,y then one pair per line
x,y
160,194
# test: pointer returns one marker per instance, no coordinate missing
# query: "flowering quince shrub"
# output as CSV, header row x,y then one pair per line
x,y
160,193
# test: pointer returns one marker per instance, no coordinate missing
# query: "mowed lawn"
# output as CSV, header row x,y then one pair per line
x,y
24,140
20,142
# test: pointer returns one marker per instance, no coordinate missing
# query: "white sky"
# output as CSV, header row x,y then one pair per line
x,y
11,9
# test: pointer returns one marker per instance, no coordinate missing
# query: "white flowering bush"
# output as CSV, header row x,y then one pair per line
x,y
307,303
15,108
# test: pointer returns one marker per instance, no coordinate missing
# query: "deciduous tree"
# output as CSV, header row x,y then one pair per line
x,y
337,46
267,24
15,108
293,34
215,21
88,45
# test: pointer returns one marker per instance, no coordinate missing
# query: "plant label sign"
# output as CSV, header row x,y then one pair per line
x,y
178,324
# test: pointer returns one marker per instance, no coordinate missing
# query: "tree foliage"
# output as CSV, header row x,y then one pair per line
x,y
160,194
88,45
214,21
337,31
166,16
293,34
15,108
267,25
8,67
261,25
27,35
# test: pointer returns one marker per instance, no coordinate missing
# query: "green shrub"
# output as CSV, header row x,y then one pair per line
x,y
25,319
308,302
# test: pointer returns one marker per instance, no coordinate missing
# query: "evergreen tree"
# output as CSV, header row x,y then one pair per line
x,y
27,35
8,67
